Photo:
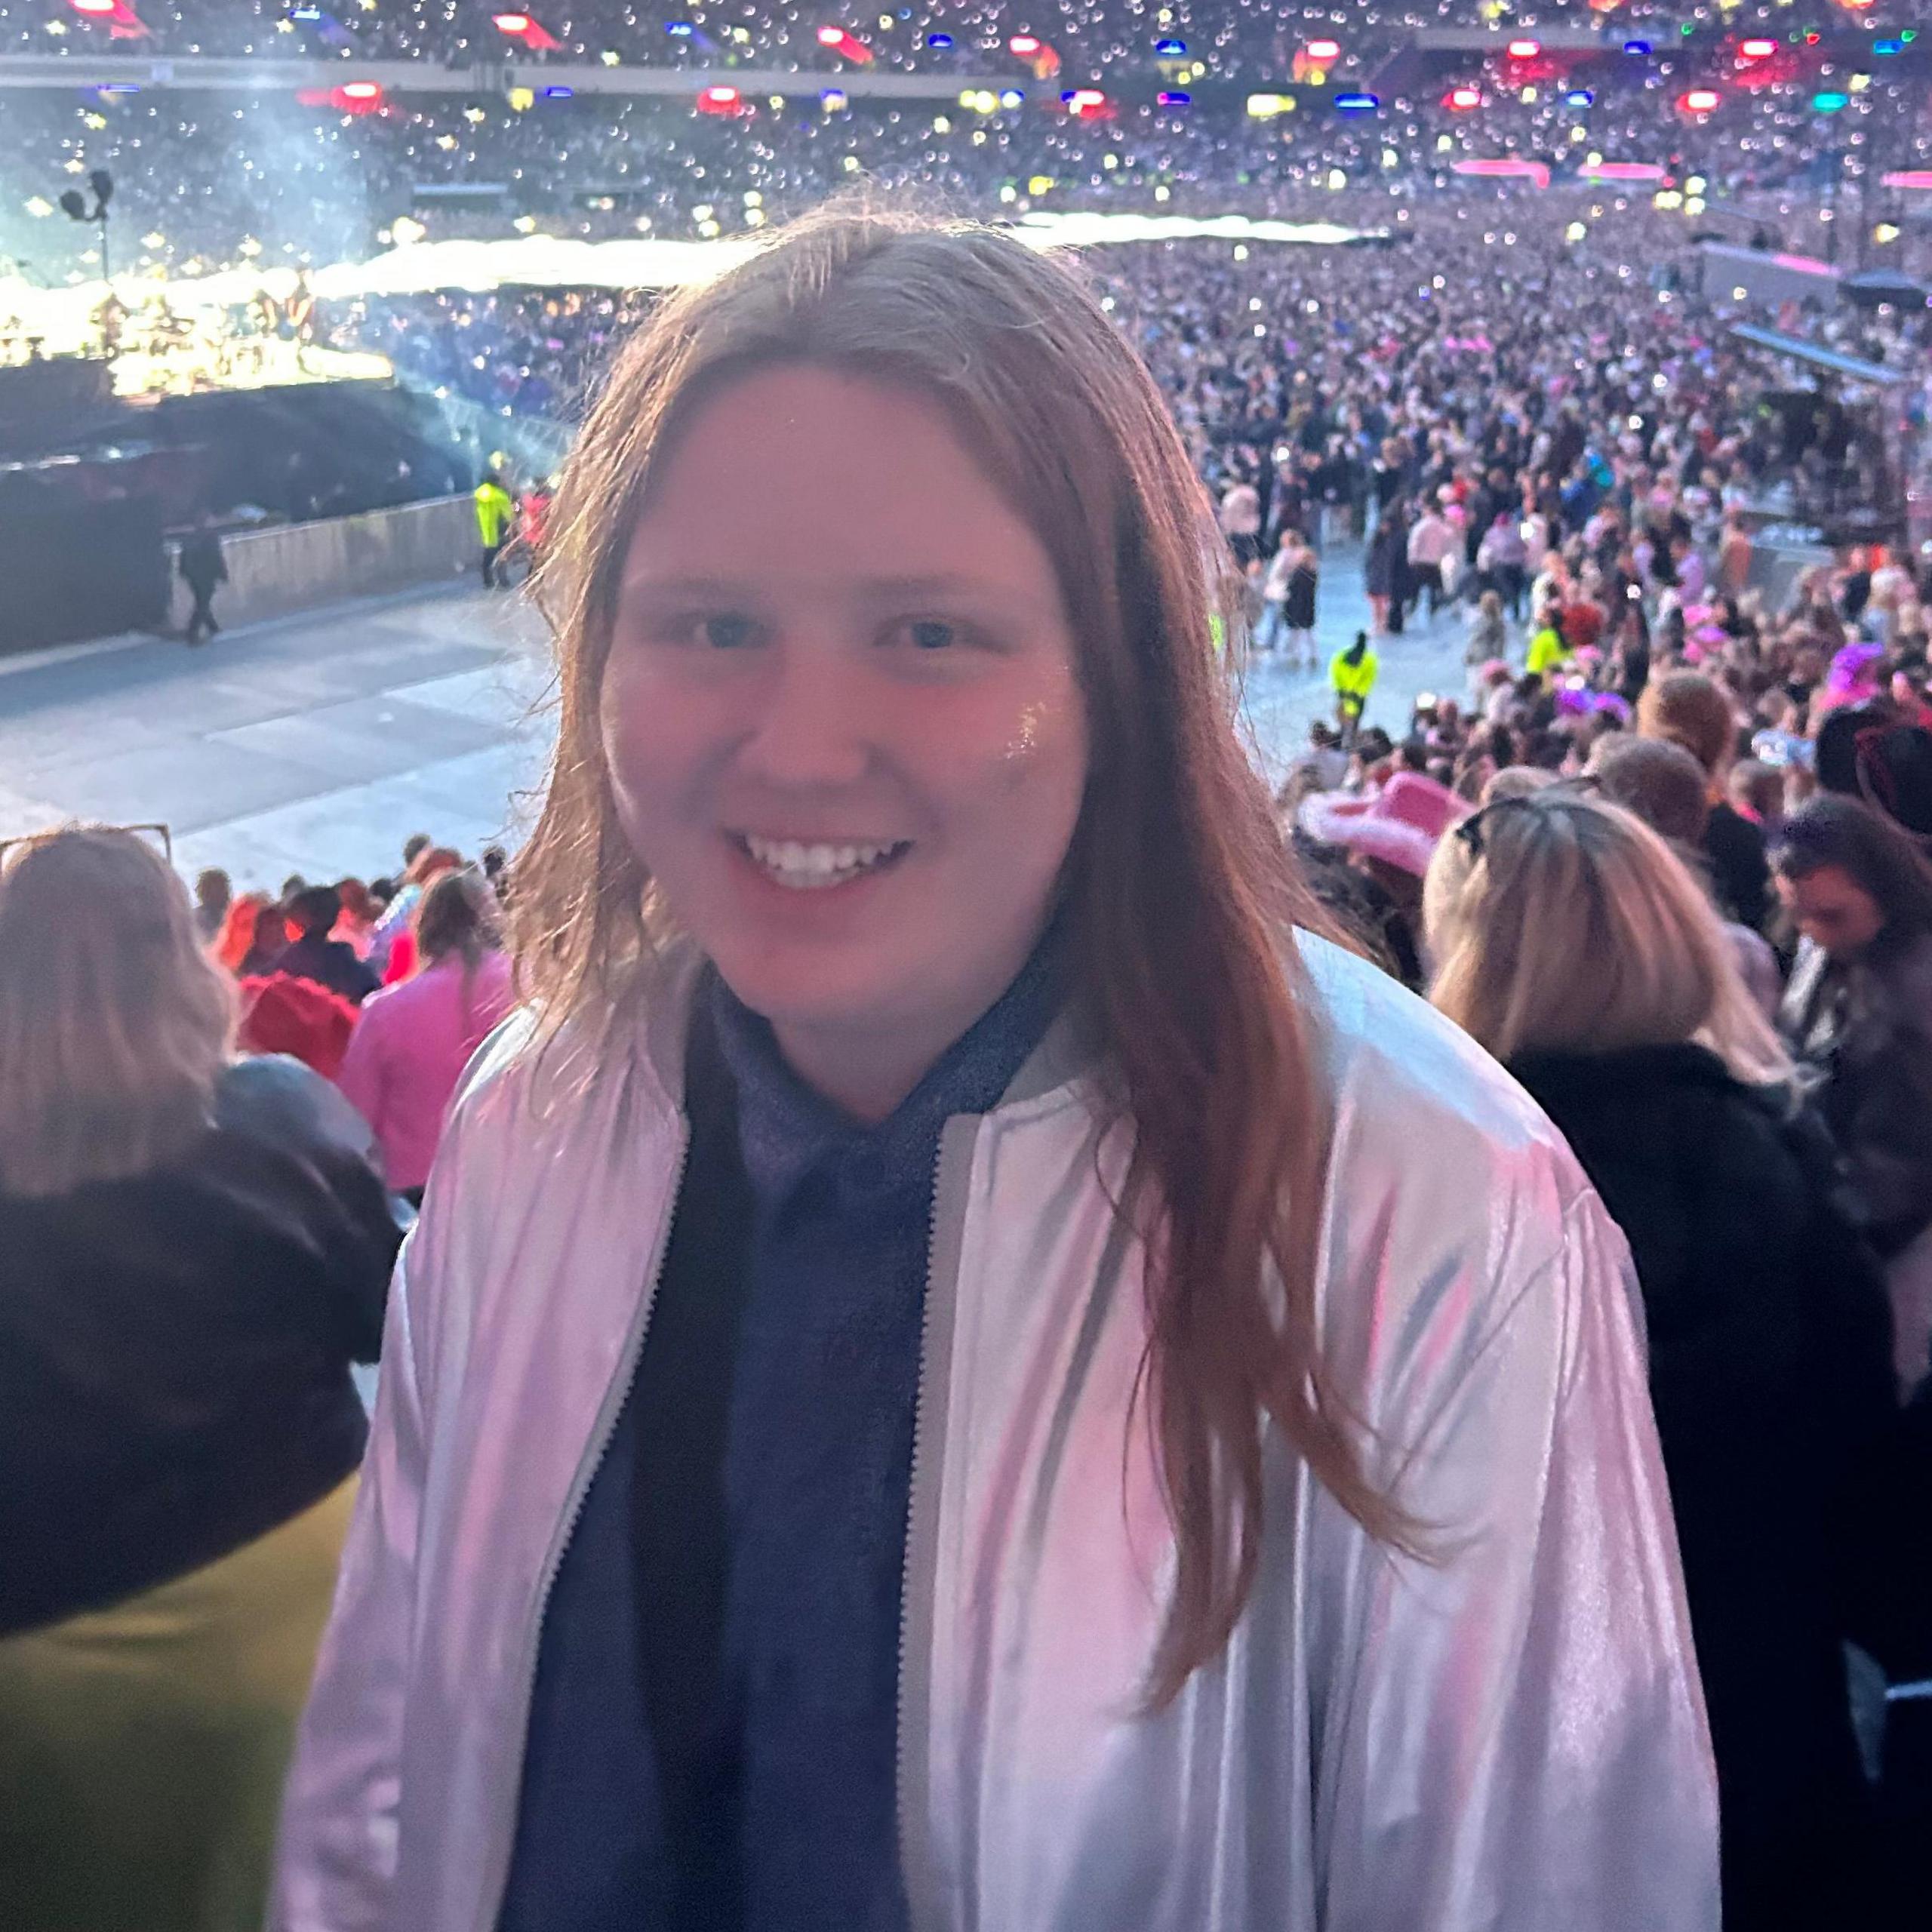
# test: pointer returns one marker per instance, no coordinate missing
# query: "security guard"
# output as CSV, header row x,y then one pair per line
x,y
495,513
1352,673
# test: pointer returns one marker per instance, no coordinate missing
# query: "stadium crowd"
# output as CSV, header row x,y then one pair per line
x,y
1666,857
209,180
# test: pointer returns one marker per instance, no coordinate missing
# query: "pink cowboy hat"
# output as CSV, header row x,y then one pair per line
x,y
1399,825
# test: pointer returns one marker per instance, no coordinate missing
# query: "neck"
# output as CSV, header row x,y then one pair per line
x,y
867,1072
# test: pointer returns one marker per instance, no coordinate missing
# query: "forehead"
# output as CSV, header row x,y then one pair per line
x,y
803,472
1828,886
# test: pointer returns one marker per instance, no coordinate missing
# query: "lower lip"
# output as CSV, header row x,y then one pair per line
x,y
805,899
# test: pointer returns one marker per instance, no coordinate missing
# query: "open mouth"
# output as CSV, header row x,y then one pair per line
x,y
811,866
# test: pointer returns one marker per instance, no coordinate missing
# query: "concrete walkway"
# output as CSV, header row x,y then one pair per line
x,y
316,744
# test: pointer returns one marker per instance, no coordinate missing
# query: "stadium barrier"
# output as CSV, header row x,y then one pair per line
x,y
297,566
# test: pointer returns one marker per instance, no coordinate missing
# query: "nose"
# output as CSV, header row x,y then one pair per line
x,y
813,718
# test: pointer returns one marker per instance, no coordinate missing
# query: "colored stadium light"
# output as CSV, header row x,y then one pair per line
x,y
1170,50
511,23
360,90
1884,47
1167,98
1462,100
680,30
1639,47
1830,103
1756,49
1506,171
308,16
1621,170
1357,103
1325,53
1909,177
559,93
1579,97
1024,44
1699,101
1265,106
719,101
941,41
1084,100
95,9
842,44
1525,49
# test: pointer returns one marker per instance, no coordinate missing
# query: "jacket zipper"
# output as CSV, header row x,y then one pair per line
x,y
594,1451
905,1783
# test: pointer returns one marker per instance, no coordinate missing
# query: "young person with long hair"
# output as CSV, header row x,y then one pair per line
x,y
196,1250
955,1372
1573,943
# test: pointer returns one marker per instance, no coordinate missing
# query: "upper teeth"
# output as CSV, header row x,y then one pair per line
x,y
796,864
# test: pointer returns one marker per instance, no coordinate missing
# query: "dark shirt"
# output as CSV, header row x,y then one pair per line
x,y
713,1733
329,963
1739,871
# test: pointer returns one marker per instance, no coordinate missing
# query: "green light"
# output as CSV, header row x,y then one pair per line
x,y
1909,34
1686,29
1830,103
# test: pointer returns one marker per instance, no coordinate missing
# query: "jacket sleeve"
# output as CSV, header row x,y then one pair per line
x,y
336,1857
1519,1742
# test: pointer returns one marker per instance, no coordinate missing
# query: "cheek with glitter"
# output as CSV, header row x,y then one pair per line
x,y
1025,740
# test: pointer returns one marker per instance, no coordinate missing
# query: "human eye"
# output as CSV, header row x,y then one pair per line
x,y
724,630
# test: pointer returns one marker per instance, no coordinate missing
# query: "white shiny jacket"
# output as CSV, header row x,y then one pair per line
x,y
1511,1738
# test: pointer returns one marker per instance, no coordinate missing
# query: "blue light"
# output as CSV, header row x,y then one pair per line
x,y
1357,103
1638,47
117,86
941,40
682,29
1171,50
306,13
1165,98
1888,47
1578,97
1012,97
559,93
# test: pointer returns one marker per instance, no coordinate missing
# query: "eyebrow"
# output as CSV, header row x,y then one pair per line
x,y
933,584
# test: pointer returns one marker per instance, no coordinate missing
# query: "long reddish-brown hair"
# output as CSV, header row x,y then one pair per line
x,y
1178,896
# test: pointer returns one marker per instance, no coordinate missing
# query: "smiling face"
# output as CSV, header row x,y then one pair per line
x,y
843,720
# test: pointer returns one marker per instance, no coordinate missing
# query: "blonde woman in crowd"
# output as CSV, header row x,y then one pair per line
x,y
1573,943
197,1250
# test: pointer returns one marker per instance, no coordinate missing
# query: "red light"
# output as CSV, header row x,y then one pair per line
x,y
1525,49
830,36
1461,99
93,6
1083,100
512,23
1699,101
361,91
720,96
1024,44
1758,50
1324,51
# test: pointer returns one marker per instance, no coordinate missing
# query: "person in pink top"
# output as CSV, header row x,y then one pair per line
x,y
414,1039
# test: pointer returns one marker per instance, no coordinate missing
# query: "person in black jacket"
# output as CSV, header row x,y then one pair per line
x,y
1689,709
314,955
197,1250
1577,947
202,567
